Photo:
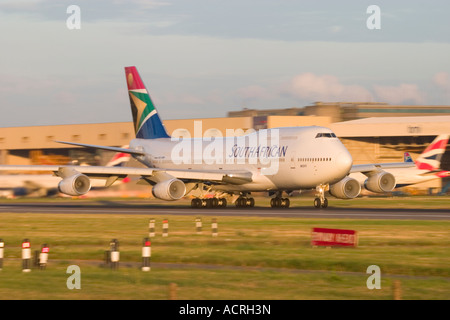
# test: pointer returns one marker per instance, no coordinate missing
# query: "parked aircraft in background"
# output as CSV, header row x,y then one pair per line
x,y
276,160
42,185
427,166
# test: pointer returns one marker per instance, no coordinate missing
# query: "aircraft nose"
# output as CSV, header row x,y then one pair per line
x,y
344,161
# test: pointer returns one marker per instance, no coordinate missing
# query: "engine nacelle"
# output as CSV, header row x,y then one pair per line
x,y
172,189
380,182
347,188
75,185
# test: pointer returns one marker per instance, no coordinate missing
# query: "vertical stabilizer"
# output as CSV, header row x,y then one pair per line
x,y
430,159
147,123
407,157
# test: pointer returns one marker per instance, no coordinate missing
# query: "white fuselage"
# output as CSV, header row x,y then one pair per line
x,y
278,159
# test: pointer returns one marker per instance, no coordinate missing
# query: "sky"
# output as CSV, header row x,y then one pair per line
x,y
204,58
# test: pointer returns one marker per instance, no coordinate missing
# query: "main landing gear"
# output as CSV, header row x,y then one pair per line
x,y
209,203
320,201
245,202
279,202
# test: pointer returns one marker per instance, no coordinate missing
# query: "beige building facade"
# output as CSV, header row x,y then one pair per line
x,y
369,140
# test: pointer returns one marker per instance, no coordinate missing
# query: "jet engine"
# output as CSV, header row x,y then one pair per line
x,y
75,185
172,189
379,182
347,188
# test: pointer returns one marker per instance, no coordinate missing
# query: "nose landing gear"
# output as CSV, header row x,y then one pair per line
x,y
320,201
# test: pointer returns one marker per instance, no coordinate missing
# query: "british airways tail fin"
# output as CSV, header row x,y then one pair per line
x,y
119,159
430,159
147,124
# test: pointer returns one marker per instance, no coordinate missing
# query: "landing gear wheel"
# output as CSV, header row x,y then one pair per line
x,y
285,202
250,202
222,202
320,201
209,203
196,203
280,202
243,202
317,203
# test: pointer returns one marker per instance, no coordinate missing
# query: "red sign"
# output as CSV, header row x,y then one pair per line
x,y
25,245
45,250
334,237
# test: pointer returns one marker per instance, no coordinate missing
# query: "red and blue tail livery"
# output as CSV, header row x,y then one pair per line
x,y
147,123
430,159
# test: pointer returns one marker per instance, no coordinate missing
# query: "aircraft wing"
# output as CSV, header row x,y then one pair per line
x,y
123,150
152,174
377,166
222,176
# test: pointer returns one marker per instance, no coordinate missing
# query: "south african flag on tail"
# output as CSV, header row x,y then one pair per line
x,y
147,124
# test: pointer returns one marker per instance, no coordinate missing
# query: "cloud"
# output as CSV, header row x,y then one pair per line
x,y
442,80
402,94
326,88
336,29
142,4
254,92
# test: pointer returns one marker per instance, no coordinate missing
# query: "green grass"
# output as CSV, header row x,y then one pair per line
x,y
252,258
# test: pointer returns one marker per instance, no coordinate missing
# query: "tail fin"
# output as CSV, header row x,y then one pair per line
x,y
119,159
147,124
407,157
443,174
430,159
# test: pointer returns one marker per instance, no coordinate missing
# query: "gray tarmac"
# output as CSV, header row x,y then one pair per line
x,y
109,207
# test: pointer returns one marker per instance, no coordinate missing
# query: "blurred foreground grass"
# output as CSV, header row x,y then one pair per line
x,y
252,258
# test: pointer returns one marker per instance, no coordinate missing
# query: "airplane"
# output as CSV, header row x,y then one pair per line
x,y
41,185
275,160
426,167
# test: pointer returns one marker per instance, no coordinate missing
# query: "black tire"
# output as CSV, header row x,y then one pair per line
x,y
277,202
325,203
196,203
317,203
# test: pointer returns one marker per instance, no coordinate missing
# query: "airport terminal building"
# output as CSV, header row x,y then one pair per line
x,y
372,132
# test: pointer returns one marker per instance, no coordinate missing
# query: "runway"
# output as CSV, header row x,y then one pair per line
x,y
110,207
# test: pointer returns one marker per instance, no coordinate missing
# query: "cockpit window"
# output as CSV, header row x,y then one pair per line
x,y
326,135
